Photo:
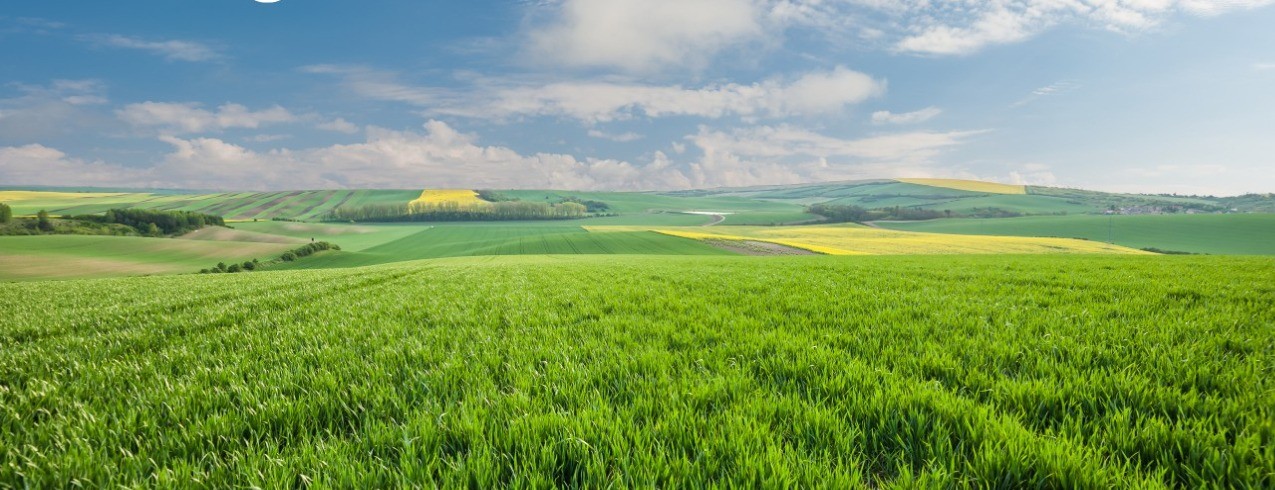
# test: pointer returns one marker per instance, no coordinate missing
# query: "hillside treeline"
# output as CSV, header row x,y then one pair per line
x,y
152,221
844,213
453,211
116,222
289,256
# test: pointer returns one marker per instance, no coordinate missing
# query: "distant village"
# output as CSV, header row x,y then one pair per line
x,y
1174,209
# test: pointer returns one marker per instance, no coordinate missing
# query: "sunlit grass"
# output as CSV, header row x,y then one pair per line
x,y
613,371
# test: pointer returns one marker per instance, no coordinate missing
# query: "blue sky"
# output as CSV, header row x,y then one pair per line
x,y
1122,95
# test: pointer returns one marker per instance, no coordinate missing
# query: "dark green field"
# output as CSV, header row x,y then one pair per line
x,y
858,372
1236,234
464,240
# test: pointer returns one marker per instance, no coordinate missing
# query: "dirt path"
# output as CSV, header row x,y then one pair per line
x,y
753,247
717,219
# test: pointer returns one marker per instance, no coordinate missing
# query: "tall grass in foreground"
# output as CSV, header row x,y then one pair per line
x,y
1007,372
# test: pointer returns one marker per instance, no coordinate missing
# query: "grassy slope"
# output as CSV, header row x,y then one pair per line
x,y
351,238
460,240
1203,233
879,372
71,256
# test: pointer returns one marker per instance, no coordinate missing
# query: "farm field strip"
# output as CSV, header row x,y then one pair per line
x,y
882,372
459,196
849,239
1201,233
969,185
237,205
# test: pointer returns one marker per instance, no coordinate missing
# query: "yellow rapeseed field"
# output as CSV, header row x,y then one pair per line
x,y
969,185
459,196
848,239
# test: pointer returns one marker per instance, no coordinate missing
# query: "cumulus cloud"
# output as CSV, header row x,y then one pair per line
x,y
644,35
787,155
40,165
1057,88
339,125
39,111
170,49
811,93
440,156
190,117
624,137
1032,174
650,35
379,85
914,117
965,26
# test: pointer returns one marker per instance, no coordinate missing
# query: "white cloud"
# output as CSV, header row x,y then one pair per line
x,y
1217,7
1031,174
172,49
914,117
786,155
38,164
645,35
1260,66
379,85
339,125
666,35
600,101
43,110
442,157
438,157
268,138
621,137
965,26
1057,88
189,117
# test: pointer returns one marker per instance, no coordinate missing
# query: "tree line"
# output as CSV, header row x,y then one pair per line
x,y
156,222
120,222
846,213
454,211
254,264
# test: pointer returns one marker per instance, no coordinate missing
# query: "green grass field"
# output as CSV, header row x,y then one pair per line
x,y
859,372
1237,234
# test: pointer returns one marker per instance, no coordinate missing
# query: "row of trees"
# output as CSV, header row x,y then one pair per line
x,y
6,213
308,250
222,268
844,213
157,222
454,211
289,256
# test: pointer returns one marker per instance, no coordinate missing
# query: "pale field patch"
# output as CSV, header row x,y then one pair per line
x,y
969,185
15,196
